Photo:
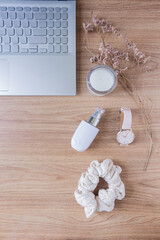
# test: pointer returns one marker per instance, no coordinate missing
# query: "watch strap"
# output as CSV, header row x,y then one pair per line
x,y
126,119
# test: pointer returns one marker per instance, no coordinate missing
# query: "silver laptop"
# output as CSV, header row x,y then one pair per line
x,y
37,47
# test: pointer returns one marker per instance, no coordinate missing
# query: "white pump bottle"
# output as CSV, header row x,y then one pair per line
x,y
87,131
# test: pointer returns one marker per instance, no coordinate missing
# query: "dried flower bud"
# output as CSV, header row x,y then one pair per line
x,y
88,27
96,21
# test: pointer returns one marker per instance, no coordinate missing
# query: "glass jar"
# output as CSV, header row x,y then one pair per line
x,y
101,80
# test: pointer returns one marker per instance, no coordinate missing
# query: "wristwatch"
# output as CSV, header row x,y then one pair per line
x,y
125,135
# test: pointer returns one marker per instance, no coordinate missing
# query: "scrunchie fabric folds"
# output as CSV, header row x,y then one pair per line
x,y
88,181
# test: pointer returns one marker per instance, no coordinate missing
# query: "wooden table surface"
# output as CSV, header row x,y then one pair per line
x,y
38,168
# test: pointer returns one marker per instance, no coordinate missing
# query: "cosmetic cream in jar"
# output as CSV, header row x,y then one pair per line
x,y
101,80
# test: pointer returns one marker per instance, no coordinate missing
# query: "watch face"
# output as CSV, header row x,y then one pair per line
x,y
125,137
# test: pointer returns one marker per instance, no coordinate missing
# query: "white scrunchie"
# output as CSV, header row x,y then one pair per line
x,y
106,197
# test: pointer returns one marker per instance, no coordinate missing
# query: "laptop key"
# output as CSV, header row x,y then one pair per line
x,y
17,23
57,16
37,40
64,32
19,32
4,15
57,9
57,24
2,31
50,32
6,48
10,32
50,9
42,24
15,48
27,32
27,9
43,9
57,32
3,9
29,16
34,24
42,50
12,15
19,9
32,50
15,40
50,16
24,24
6,40
7,23
64,24
23,40
40,16
64,40
64,48
57,48
21,15
50,40
57,40
1,23
64,16
24,50
64,9
50,24
35,9
39,32
50,48
11,8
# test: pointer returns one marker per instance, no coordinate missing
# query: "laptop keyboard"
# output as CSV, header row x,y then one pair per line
x,y
26,30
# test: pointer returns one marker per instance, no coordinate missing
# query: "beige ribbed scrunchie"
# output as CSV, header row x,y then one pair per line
x,y
106,197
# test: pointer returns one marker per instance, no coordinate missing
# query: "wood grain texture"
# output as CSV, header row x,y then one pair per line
x,y
38,168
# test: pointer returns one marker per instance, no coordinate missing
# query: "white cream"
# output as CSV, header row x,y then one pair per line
x,y
102,79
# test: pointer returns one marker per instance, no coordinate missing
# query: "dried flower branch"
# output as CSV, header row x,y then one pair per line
x,y
120,59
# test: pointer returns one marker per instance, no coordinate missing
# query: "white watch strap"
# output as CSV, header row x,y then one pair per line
x,y
126,118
